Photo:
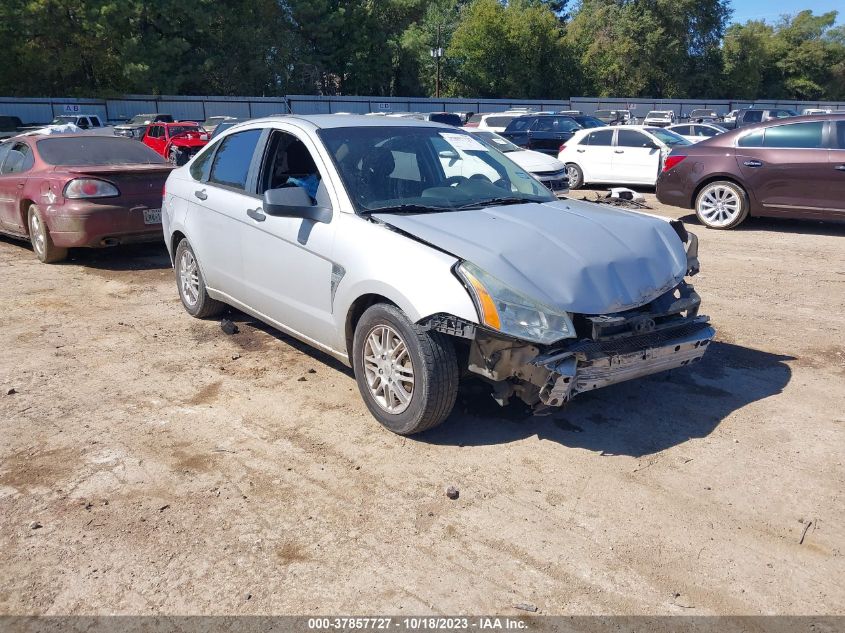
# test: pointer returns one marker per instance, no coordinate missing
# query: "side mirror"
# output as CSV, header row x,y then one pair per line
x,y
294,202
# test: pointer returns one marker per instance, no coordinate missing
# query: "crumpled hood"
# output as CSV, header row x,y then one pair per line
x,y
575,256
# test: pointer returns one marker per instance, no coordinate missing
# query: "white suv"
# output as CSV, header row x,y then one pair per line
x,y
416,253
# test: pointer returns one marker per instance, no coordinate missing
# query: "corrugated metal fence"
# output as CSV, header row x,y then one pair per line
x,y
42,110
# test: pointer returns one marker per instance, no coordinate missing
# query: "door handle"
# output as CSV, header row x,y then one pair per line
x,y
256,214
840,168
20,185
753,163
580,151
619,151
201,194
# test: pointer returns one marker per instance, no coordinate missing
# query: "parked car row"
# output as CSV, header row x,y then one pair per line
x,y
489,274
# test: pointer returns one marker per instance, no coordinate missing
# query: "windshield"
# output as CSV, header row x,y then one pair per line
x,y
173,130
499,142
142,119
669,137
588,121
657,114
61,120
709,113
419,169
96,150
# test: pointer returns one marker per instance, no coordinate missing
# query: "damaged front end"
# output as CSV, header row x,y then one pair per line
x,y
602,349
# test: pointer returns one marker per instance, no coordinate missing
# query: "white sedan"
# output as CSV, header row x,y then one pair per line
x,y
547,169
695,132
630,155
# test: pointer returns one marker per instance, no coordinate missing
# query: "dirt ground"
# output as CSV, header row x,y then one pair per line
x,y
175,469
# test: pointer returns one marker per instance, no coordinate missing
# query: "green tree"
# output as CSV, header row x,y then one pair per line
x,y
515,50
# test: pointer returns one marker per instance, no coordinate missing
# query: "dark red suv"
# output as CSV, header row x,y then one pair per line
x,y
790,168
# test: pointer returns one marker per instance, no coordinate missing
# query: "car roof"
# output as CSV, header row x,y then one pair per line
x,y
328,121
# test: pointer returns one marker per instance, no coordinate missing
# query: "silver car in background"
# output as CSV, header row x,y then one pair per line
x,y
418,255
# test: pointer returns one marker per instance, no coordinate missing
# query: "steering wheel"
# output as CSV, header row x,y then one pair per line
x,y
454,181
481,177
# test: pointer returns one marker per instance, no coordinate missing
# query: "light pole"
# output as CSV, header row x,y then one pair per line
x,y
437,54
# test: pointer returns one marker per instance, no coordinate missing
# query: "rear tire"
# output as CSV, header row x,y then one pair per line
x,y
191,285
39,237
721,205
575,176
408,376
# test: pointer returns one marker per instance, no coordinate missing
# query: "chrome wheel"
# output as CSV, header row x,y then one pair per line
x,y
189,278
388,369
573,176
719,205
37,234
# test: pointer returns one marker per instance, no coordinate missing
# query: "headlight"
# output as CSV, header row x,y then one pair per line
x,y
510,312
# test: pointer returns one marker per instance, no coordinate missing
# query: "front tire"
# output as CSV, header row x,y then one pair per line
x,y
39,237
408,376
191,285
721,205
575,175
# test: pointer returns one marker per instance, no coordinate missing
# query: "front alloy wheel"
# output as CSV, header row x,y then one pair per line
x,y
407,374
388,368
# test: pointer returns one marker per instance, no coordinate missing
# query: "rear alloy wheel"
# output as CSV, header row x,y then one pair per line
x,y
192,292
174,157
575,176
721,205
39,236
408,376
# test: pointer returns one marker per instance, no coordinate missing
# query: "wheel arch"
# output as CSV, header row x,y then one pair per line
x,y
23,210
356,310
711,178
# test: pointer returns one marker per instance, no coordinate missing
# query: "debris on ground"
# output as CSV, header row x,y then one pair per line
x,y
11,392
35,525
525,606
301,379
452,492
620,197
235,356
228,327
804,531
312,371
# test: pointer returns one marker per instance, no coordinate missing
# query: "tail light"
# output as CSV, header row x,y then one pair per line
x,y
90,188
562,147
671,161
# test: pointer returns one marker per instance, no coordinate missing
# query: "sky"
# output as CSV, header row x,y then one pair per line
x,y
770,11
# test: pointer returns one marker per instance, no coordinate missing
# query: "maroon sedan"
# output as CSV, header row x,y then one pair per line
x,y
788,168
80,190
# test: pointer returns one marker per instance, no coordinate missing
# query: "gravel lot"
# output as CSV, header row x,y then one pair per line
x,y
174,469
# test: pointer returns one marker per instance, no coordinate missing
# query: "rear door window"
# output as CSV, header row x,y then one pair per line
x,y
521,124
683,130
753,116
233,159
840,134
602,138
796,135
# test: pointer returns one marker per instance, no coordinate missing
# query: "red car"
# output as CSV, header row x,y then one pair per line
x,y
177,142
80,190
